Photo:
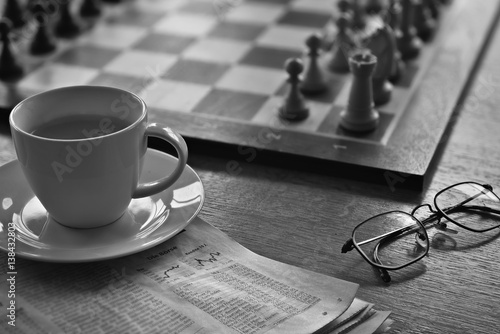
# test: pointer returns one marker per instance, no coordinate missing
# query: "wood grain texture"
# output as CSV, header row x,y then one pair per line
x,y
304,218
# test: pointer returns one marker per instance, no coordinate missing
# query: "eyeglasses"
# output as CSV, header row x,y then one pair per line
x,y
396,239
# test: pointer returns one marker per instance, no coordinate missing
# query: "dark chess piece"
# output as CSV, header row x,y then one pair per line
x,y
358,10
344,6
314,81
10,69
392,17
294,107
66,25
15,13
398,67
359,115
434,7
382,44
392,14
342,46
90,8
375,7
43,42
423,21
409,44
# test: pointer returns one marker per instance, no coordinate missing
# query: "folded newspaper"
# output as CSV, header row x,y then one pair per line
x,y
199,282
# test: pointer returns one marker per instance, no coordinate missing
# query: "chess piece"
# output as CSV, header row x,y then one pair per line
x,y
10,69
66,25
423,21
43,41
359,115
409,44
90,8
294,107
392,19
358,11
14,12
343,6
398,67
434,7
342,46
314,81
382,45
374,7
392,14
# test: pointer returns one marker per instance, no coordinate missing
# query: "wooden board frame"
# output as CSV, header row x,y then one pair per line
x,y
405,159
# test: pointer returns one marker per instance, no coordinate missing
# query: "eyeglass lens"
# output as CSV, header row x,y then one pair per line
x,y
470,205
396,237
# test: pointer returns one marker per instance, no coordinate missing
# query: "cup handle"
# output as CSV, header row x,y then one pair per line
x,y
172,137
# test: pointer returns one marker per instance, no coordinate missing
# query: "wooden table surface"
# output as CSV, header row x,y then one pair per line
x,y
304,218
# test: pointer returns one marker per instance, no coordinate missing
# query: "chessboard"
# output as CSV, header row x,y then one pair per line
x,y
214,71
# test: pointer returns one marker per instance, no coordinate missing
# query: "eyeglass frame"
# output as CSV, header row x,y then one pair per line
x,y
436,214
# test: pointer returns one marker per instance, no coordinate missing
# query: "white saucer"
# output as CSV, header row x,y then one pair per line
x,y
148,221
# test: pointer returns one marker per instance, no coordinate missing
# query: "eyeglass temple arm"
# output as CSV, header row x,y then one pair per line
x,y
474,207
486,186
384,236
349,244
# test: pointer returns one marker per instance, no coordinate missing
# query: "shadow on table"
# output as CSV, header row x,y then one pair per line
x,y
462,240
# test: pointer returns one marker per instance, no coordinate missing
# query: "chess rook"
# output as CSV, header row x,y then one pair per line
x,y
360,116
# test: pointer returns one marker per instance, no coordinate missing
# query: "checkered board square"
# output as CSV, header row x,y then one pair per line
x,y
213,69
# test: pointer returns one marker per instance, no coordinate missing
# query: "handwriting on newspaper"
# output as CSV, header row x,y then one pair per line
x,y
237,296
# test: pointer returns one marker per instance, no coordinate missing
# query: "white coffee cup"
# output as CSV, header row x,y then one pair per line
x,y
82,148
